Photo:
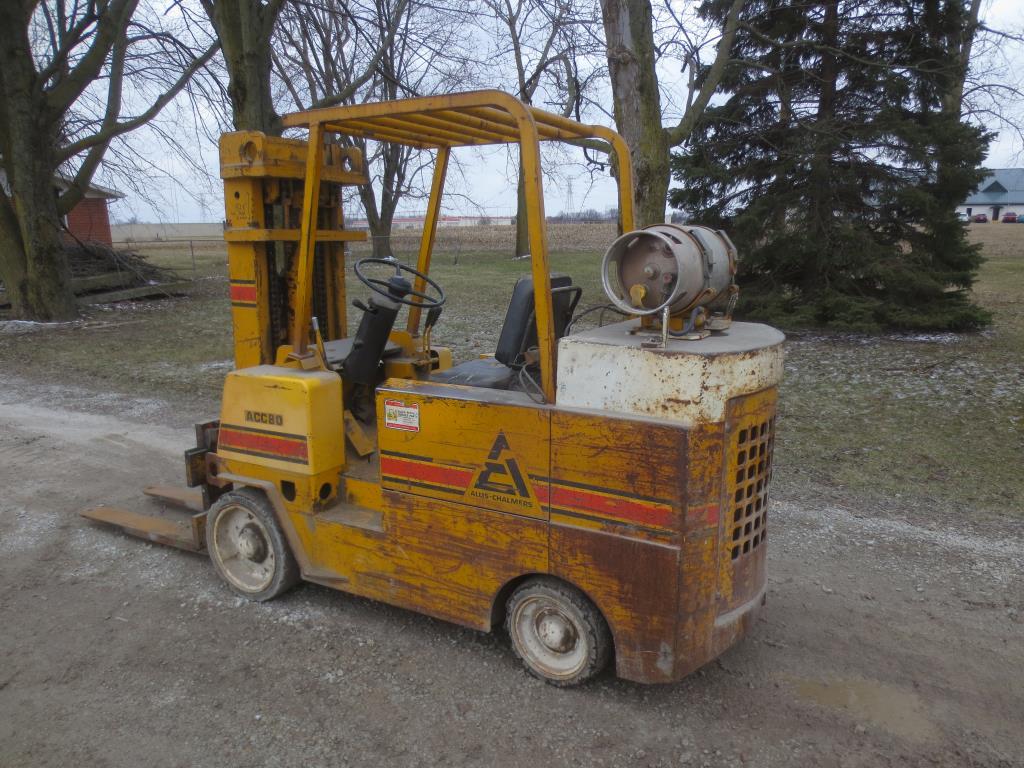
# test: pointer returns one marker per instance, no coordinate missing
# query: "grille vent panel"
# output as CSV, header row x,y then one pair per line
x,y
752,447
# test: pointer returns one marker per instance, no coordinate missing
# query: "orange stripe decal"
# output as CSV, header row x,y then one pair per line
x,y
619,507
263,442
243,293
610,504
430,473
706,515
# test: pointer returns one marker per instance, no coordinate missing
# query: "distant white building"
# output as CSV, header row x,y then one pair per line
x,y
416,222
1000,192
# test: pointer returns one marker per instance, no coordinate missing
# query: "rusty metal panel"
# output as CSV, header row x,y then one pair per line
x,y
747,469
688,382
616,500
699,565
480,452
445,559
634,583
624,476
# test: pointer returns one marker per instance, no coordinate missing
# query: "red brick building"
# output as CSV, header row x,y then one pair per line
x,y
89,221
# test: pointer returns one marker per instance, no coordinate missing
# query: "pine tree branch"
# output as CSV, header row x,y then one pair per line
x,y
880,63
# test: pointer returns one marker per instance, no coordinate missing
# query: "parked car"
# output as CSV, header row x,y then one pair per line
x,y
980,218
962,217
1009,218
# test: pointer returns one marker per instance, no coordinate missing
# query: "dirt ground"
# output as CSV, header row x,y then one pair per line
x,y
892,635
885,642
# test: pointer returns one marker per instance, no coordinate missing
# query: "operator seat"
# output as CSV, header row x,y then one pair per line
x,y
518,334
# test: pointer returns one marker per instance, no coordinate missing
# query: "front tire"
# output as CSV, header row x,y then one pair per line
x,y
558,633
247,546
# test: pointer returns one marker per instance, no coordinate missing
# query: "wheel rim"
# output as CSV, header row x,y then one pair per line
x,y
549,637
242,547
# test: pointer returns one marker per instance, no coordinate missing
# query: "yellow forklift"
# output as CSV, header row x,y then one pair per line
x,y
600,494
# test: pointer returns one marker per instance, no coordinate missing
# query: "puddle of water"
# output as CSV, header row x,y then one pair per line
x,y
894,709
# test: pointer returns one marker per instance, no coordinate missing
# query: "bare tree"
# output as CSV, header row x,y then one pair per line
x,y
245,30
634,45
544,44
986,89
71,71
336,52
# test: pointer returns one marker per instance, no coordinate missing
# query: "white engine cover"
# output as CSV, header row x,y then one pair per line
x,y
607,369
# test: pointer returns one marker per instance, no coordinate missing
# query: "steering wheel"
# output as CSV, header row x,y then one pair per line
x,y
387,288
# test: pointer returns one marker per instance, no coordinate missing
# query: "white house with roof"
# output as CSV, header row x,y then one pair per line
x,y
1002,191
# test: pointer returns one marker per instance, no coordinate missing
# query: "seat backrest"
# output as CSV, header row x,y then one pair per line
x,y
519,331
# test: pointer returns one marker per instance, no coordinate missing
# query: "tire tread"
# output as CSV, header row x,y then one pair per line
x,y
598,633
288,574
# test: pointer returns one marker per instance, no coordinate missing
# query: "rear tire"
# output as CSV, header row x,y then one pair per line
x,y
247,546
557,632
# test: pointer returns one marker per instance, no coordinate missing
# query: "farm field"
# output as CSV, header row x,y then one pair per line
x,y
896,573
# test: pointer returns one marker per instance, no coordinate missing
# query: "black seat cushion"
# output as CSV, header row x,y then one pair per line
x,y
518,334
519,331
487,372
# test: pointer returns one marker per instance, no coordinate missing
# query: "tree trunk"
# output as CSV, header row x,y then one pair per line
x,y
631,65
821,204
33,264
522,225
381,234
380,229
960,55
244,30
13,265
44,292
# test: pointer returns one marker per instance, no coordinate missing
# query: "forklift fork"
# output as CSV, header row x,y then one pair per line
x,y
188,534
175,530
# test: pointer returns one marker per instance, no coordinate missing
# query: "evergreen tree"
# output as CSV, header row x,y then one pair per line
x,y
836,164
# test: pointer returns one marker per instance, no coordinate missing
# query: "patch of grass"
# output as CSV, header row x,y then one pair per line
x,y
921,419
181,347
916,417
479,286
174,348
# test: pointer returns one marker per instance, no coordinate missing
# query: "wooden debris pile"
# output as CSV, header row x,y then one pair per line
x,y
101,274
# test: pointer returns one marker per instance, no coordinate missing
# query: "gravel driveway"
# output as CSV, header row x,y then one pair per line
x,y
889,639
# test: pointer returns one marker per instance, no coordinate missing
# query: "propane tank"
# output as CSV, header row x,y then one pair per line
x,y
669,266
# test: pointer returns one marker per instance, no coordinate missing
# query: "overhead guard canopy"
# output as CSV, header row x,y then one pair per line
x,y
475,118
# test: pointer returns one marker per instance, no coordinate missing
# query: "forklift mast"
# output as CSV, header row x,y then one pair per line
x,y
264,182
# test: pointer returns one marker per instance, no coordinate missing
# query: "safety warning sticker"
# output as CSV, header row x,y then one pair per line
x,y
398,415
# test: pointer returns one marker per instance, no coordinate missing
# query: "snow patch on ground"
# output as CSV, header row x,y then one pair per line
x,y
18,327
91,430
901,545
217,365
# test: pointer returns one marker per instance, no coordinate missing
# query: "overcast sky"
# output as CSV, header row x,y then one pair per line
x,y
482,181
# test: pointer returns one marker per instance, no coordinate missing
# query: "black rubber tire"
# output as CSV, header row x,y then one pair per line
x,y
586,619
287,573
